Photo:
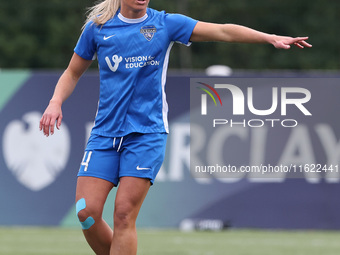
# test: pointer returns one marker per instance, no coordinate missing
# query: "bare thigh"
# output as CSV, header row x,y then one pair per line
x,y
95,192
129,199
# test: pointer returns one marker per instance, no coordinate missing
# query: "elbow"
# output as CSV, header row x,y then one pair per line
x,y
226,33
71,75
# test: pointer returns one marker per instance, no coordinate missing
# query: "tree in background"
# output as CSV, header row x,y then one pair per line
x,y
39,33
42,34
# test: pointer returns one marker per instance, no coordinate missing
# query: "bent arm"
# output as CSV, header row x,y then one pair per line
x,y
64,88
204,32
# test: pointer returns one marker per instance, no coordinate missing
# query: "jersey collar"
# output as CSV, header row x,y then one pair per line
x,y
132,21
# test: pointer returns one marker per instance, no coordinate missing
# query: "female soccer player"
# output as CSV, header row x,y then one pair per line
x,y
132,43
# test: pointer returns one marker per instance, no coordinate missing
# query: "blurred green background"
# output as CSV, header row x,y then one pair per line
x,y
41,34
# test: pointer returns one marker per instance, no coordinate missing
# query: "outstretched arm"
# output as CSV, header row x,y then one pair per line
x,y
204,32
64,88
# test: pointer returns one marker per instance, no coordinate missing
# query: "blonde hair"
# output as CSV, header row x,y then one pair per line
x,y
102,12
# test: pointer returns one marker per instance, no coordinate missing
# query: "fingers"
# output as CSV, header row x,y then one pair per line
x,y
298,45
47,124
59,121
306,44
285,42
286,46
51,126
304,38
40,123
301,42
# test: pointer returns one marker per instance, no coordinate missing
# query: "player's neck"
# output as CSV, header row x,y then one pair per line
x,y
132,14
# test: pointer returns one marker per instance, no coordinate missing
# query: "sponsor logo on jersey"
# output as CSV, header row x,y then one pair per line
x,y
148,32
116,61
130,62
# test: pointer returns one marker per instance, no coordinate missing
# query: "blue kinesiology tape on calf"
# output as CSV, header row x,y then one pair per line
x,y
81,205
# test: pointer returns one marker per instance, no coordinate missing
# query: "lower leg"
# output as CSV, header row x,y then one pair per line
x,y
98,233
124,242
99,237
130,196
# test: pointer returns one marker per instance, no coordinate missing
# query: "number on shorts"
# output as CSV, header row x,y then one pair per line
x,y
86,159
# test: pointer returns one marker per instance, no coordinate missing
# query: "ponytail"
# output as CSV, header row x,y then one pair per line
x,y
102,12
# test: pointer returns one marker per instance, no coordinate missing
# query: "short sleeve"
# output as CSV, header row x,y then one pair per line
x,y
86,47
180,27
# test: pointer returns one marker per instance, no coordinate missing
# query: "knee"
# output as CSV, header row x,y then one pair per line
x,y
84,214
123,218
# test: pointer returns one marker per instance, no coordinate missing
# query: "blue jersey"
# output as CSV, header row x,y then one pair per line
x,y
133,56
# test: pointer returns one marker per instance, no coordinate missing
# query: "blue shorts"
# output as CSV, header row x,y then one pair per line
x,y
136,155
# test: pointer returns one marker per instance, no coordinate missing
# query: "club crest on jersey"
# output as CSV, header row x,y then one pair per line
x,y
148,32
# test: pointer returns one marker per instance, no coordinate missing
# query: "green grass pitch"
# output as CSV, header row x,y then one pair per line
x,y
63,241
